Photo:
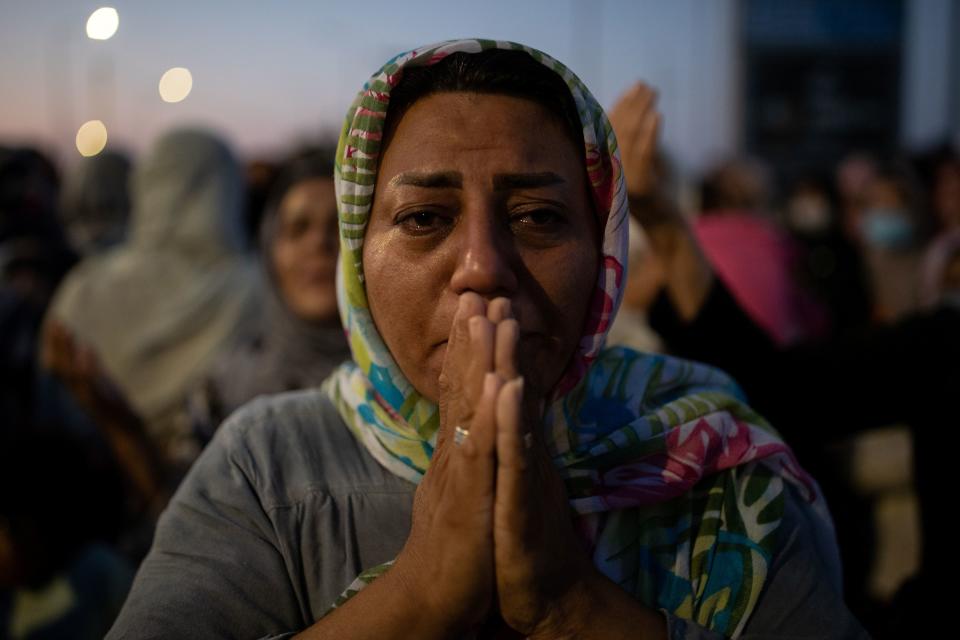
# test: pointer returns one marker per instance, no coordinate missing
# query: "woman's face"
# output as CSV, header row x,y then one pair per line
x,y
305,250
481,193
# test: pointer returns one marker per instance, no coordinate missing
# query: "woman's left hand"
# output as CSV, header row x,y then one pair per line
x,y
636,123
540,564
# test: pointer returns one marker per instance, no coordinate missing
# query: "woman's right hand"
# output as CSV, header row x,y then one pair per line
x,y
447,560
442,583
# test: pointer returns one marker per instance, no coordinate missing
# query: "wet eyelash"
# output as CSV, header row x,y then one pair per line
x,y
553,216
409,221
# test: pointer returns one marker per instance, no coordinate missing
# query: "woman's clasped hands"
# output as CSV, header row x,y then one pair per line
x,y
492,530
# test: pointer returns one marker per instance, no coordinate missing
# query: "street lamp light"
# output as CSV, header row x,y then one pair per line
x,y
91,138
175,85
103,23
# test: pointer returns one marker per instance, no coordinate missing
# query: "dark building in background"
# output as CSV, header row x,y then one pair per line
x,y
821,79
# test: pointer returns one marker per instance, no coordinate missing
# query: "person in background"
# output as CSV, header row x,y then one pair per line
x,y
817,392
259,177
941,271
749,251
60,506
851,176
892,236
158,309
299,339
34,253
95,202
63,499
939,173
946,195
830,265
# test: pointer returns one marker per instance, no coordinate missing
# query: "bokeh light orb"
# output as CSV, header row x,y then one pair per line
x,y
175,84
103,23
91,138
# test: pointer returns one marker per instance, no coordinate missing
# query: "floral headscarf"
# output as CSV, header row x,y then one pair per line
x,y
678,485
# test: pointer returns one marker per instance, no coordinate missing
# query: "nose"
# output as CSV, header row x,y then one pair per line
x,y
485,256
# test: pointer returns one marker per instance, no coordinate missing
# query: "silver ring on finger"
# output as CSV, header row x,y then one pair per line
x,y
459,435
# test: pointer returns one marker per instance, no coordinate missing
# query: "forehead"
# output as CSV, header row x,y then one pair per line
x,y
310,195
307,187
480,132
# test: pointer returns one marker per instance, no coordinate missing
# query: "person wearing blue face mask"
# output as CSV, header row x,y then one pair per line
x,y
890,236
887,228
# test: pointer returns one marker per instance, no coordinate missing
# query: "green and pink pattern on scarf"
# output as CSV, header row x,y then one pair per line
x,y
677,485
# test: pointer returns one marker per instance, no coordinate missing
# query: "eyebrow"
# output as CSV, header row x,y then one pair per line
x,y
454,180
437,180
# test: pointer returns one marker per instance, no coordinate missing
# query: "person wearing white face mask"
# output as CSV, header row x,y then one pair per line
x,y
831,265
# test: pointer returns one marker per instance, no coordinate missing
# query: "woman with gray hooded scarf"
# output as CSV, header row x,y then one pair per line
x,y
160,307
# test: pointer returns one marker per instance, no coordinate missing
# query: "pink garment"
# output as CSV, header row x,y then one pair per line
x,y
755,260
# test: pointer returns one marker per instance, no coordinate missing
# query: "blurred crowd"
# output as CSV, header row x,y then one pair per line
x,y
142,301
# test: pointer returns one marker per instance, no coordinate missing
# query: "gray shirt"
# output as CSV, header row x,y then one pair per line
x,y
285,508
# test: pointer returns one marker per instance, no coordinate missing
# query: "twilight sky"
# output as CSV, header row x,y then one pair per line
x,y
269,73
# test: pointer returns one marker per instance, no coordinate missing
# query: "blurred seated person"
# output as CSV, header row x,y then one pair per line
x,y
59,506
299,340
34,254
158,309
62,503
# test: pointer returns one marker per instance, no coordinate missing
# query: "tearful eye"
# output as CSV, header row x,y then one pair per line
x,y
422,218
542,216
422,222
538,218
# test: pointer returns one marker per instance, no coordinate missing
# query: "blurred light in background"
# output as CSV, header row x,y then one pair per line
x,y
175,84
91,138
103,23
